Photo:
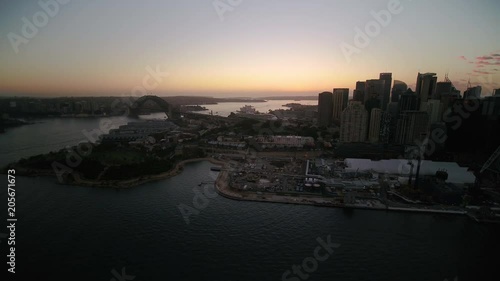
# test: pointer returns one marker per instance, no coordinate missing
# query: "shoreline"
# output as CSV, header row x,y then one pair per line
x,y
145,179
221,185
129,183
223,189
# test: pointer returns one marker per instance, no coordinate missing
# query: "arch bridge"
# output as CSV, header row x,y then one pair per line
x,y
169,109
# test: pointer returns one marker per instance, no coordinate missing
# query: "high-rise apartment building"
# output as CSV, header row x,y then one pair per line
x,y
412,126
386,94
473,93
340,101
443,89
398,89
375,120
408,101
433,108
325,109
354,122
425,87
374,89
359,92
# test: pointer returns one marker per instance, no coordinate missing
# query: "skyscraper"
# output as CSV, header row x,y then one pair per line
x,y
325,109
426,87
353,124
398,89
374,90
491,106
443,89
434,111
387,126
412,126
340,101
473,92
447,94
359,92
375,120
386,94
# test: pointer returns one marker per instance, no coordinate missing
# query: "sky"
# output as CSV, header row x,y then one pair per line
x,y
241,47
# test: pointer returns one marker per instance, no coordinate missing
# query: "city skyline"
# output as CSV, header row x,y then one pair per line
x,y
250,139
245,48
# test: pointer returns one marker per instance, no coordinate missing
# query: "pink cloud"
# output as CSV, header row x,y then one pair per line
x,y
462,58
484,58
482,62
481,72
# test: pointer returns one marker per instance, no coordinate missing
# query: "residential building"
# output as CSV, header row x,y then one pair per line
x,y
412,126
375,120
386,94
340,101
353,124
325,109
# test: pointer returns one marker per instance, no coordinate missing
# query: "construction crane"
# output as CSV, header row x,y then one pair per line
x,y
420,149
491,160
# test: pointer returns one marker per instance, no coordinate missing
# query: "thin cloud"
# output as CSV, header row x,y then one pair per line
x,y
462,58
484,58
481,72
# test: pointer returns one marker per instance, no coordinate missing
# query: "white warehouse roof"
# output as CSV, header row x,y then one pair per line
x,y
456,174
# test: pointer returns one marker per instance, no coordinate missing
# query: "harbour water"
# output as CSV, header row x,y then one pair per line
x,y
81,233
224,109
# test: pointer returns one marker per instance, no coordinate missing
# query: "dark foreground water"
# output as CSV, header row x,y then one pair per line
x,y
79,233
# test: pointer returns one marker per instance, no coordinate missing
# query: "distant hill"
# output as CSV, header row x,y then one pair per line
x,y
291,98
194,100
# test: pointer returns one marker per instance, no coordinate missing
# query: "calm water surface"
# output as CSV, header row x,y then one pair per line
x,y
224,109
